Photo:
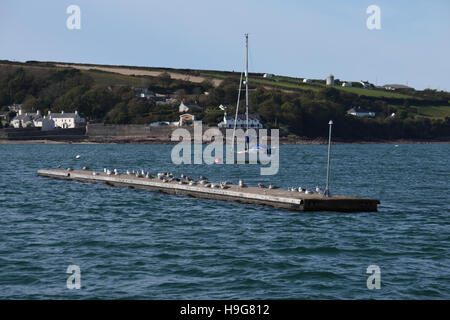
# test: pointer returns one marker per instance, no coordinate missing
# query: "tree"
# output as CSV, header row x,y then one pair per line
x,y
118,114
30,104
165,79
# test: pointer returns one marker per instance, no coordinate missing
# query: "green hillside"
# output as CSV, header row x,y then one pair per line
x,y
105,93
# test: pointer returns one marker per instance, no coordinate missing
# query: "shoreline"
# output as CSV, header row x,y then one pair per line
x,y
283,141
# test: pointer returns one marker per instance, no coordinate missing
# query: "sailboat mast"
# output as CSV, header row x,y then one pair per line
x,y
246,80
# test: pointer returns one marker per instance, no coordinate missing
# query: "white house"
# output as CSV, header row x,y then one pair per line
x,y
307,80
185,107
228,121
22,120
43,122
394,87
186,119
49,122
67,120
346,84
330,80
267,75
32,120
359,112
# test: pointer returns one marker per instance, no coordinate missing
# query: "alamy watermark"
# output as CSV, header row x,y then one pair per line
x,y
374,280
373,22
73,22
182,152
74,280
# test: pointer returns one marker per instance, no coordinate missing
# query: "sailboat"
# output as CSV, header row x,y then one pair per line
x,y
256,147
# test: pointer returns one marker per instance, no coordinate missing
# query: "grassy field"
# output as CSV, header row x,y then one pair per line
x,y
289,83
375,93
279,82
434,112
108,78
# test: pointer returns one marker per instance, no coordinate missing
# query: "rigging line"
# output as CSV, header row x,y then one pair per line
x,y
239,98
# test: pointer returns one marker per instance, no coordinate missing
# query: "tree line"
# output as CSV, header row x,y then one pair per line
x,y
303,113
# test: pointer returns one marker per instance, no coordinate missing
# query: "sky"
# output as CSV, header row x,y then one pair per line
x,y
310,39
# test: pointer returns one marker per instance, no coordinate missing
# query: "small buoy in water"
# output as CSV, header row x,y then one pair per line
x,y
218,161
396,145
77,156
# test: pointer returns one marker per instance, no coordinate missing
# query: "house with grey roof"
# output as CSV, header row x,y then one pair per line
x,y
25,120
397,87
67,120
360,112
229,121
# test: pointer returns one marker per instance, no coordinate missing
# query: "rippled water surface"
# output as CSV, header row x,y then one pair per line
x,y
138,244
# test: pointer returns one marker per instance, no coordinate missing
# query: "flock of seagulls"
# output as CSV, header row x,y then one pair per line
x,y
202,181
306,191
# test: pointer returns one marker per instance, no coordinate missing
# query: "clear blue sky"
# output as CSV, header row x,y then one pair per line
x,y
296,38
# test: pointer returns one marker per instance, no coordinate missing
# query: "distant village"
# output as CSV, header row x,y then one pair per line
x,y
70,120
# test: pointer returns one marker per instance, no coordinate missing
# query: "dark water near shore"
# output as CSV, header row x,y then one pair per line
x,y
138,244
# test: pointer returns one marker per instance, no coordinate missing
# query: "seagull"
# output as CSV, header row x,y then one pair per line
x,y
203,178
260,185
69,169
108,172
300,189
94,173
308,192
318,190
183,176
128,172
192,183
208,185
84,168
58,166
242,184
273,186
203,182
104,170
116,172
77,156
142,172
182,182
